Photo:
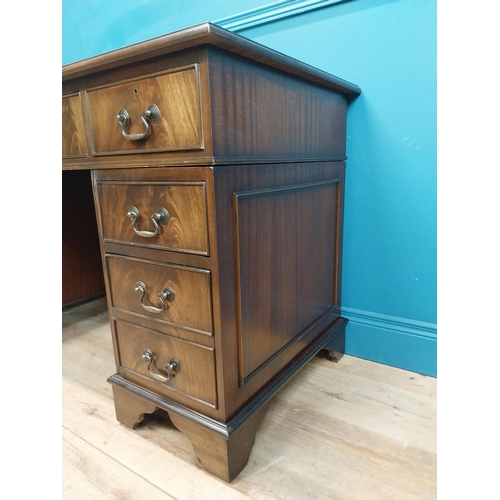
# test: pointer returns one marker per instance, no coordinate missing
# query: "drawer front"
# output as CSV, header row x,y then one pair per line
x,y
178,125
73,129
135,286
195,364
184,228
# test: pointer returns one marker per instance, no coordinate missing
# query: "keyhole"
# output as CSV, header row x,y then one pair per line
x,y
135,93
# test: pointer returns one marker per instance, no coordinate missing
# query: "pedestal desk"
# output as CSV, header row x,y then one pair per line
x,y
217,170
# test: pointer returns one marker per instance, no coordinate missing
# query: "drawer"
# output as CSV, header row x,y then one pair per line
x,y
195,364
177,126
176,295
73,129
184,227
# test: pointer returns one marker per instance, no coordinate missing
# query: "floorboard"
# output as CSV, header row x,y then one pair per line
x,y
338,431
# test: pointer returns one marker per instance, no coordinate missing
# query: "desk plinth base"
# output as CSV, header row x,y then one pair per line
x,y
223,448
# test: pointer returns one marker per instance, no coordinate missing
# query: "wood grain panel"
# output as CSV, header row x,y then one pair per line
x,y
74,143
171,329
191,307
82,276
285,257
252,249
196,377
177,95
199,35
300,235
187,227
260,112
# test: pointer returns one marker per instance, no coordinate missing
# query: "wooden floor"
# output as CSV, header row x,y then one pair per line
x,y
348,430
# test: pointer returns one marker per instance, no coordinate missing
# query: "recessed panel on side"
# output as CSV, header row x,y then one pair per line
x,y
285,259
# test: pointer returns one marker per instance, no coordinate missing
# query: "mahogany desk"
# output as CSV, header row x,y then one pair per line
x,y
217,171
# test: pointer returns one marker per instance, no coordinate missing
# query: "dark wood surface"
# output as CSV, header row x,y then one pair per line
x,y
207,34
260,113
224,456
279,232
250,167
196,377
191,306
82,276
271,264
223,448
274,281
186,229
177,95
219,122
74,141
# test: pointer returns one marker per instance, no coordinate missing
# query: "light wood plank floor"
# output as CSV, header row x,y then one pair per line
x,y
348,430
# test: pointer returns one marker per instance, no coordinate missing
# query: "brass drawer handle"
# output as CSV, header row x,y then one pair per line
x,y
171,368
161,216
167,294
151,115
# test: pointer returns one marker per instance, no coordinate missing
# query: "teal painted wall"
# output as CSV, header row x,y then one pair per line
x,y
92,27
388,48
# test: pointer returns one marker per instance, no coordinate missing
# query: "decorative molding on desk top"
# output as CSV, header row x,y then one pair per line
x,y
272,12
194,36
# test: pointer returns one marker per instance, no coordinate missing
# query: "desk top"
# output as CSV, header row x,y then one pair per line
x,y
206,34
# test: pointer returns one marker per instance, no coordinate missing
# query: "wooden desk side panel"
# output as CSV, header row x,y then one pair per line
x,y
288,255
261,113
82,276
280,238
